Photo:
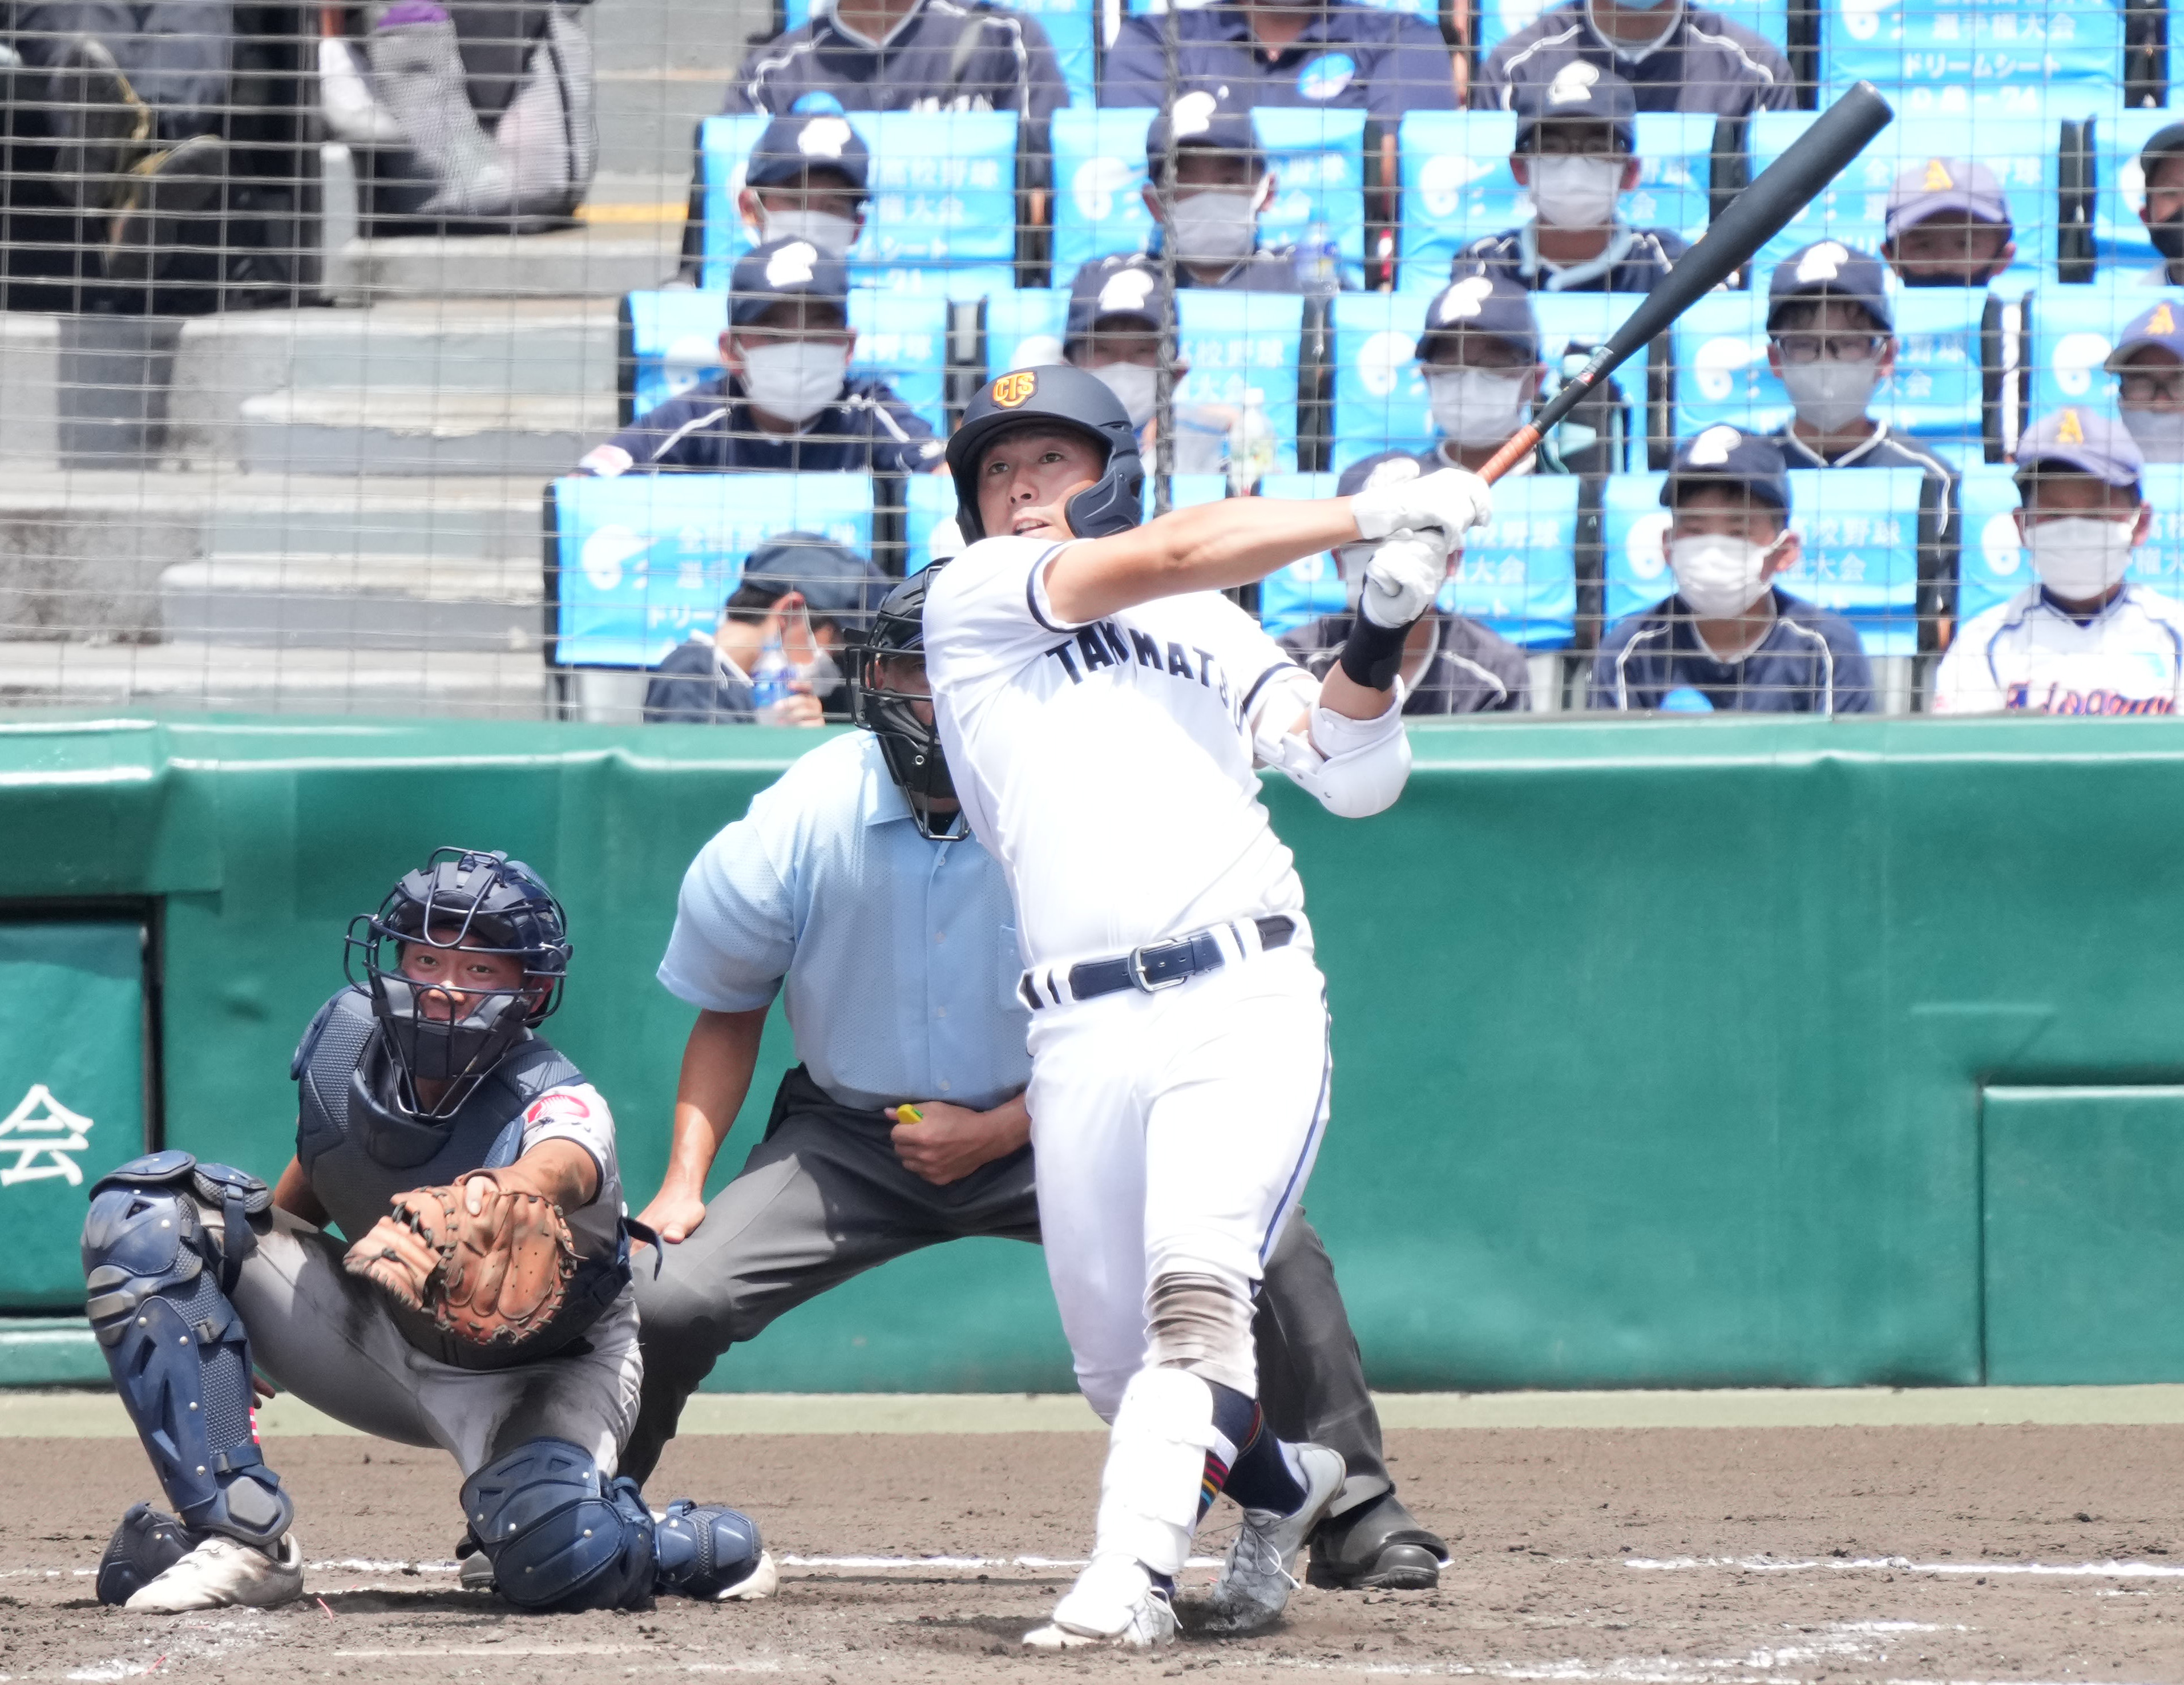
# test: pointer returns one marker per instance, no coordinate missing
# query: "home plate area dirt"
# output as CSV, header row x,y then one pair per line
x,y
1681,1556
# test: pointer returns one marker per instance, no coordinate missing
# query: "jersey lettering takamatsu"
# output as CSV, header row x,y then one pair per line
x,y
2029,656
1108,767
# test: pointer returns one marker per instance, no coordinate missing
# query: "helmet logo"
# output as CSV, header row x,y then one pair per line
x,y
1011,390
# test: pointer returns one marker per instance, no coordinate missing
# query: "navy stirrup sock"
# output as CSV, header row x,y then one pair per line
x,y
1260,1475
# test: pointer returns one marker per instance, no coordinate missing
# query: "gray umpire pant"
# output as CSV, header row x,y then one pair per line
x,y
824,1197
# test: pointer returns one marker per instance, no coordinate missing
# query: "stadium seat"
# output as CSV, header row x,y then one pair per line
x,y
1456,184
670,341
1991,566
1317,159
1241,342
1380,397
2071,331
1993,58
1499,18
1021,328
2119,241
1861,549
636,564
943,192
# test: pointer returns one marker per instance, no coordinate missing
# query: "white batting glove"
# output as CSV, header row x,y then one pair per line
x,y
1402,578
1449,500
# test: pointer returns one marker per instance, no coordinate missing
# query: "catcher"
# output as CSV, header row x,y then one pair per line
x,y
484,1307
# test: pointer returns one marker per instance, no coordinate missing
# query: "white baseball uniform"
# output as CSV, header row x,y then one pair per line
x,y
1110,768
2028,656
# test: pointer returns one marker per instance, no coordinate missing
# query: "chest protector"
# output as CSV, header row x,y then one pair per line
x,y
359,1151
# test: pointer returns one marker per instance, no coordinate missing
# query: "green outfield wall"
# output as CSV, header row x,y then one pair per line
x,y
1681,1053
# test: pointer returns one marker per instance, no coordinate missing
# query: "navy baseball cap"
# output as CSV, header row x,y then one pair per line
x,y
1578,92
835,580
1202,119
2158,327
1945,184
1108,288
800,142
785,269
2167,142
1724,455
2080,440
1828,269
1487,302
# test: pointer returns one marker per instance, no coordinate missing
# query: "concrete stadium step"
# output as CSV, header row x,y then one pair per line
x,y
409,430
222,676
359,601
598,260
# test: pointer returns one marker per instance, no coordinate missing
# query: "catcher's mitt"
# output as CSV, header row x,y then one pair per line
x,y
494,1278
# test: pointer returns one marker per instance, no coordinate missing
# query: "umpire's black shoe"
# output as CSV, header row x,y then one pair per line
x,y
1378,1546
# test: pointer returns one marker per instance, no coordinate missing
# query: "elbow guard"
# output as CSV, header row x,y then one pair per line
x,y
1353,768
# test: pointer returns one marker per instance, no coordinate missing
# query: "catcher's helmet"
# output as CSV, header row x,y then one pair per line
x,y
1057,396
482,902
910,746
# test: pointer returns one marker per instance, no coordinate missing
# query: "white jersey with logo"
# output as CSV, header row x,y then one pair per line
x,y
2028,656
1108,767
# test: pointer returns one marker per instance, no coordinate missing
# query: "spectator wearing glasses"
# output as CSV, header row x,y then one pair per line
x,y
2161,164
1451,663
1210,216
2149,364
770,660
2081,639
1947,225
1676,56
787,401
1730,640
1577,144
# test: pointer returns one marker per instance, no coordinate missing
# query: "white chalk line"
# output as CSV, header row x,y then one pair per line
x,y
1904,1564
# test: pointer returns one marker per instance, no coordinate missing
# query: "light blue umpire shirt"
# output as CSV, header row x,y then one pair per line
x,y
899,953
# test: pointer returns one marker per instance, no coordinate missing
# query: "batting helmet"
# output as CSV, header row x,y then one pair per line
x,y
482,904
908,741
1053,395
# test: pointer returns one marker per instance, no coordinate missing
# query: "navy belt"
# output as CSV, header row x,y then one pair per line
x,y
1157,965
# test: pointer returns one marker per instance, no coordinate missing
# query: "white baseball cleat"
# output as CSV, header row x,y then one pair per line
x,y
763,1580
1262,1570
1114,1602
223,1571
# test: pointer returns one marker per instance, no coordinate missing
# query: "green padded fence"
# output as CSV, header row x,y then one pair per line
x,y
1661,1048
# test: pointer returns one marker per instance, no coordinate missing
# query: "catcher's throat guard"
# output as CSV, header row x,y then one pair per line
x,y
909,741
1055,396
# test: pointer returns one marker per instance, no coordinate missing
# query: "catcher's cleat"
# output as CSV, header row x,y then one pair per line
x,y
223,1571
144,234
1114,1603
711,1552
1260,1571
1378,1546
147,1543
98,125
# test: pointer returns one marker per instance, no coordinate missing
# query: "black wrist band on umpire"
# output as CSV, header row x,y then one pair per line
x,y
1374,655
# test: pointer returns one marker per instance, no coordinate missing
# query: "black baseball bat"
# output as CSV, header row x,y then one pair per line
x,y
1752,218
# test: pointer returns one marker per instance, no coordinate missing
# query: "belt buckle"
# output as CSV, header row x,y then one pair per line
x,y
1134,963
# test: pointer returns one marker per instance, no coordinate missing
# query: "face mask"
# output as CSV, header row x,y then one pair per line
x,y
821,672
833,235
1133,383
2078,558
1217,226
1577,192
2159,433
1474,406
797,380
1831,395
1719,577
2168,237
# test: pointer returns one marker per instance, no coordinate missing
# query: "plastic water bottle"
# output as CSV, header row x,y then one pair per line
x,y
1251,444
1316,261
770,680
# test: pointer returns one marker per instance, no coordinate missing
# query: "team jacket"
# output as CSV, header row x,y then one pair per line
x,y
1471,672
1271,268
709,429
2031,655
1707,63
1349,58
1636,261
1808,663
945,56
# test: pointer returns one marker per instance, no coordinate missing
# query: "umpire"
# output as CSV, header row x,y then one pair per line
x,y
853,884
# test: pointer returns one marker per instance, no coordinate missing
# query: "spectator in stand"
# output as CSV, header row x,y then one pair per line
x,y
1121,321
1729,640
2161,164
1328,54
1577,145
2148,363
2081,640
806,179
907,55
1211,214
786,402
1676,56
1948,224
1451,664
799,599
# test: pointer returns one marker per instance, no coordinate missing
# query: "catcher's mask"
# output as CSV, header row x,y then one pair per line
x,y
1053,395
480,903
910,744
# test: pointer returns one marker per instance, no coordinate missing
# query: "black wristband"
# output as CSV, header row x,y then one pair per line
x,y
1374,655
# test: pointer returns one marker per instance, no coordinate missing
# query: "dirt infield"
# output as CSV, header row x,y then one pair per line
x,y
1680,1556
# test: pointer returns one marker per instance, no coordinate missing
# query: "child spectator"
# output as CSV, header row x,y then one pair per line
x,y
1676,56
2148,363
1210,215
1948,224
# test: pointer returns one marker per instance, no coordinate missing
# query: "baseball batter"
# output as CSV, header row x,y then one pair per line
x,y
1102,709
484,1307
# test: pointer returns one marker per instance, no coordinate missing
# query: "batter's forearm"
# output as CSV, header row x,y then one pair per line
x,y
1209,548
717,1062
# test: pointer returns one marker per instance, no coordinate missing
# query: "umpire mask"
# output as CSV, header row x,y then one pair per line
x,y
889,698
